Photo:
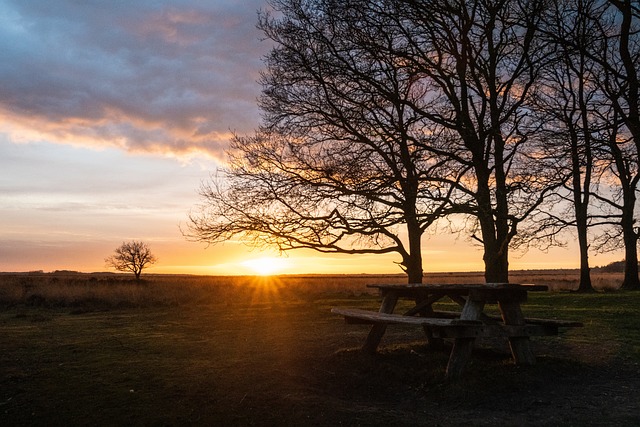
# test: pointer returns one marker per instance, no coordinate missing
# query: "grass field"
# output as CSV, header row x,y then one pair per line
x,y
191,350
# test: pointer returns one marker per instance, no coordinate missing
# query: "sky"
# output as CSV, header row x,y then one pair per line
x,y
112,114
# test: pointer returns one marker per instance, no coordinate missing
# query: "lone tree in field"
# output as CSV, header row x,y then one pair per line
x,y
131,256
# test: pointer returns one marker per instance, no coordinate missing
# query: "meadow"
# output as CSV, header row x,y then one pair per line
x,y
103,349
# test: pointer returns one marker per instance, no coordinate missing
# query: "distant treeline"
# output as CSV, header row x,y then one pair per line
x,y
614,267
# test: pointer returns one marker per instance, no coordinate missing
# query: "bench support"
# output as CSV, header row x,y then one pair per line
x,y
377,330
520,346
463,347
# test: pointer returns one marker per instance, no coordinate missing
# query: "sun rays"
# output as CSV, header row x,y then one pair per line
x,y
266,266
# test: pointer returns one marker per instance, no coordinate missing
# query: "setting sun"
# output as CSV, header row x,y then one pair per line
x,y
267,265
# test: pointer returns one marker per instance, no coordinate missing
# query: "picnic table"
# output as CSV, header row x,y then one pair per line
x,y
463,327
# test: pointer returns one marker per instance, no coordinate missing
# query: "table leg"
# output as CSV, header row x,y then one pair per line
x,y
426,310
462,347
520,346
389,301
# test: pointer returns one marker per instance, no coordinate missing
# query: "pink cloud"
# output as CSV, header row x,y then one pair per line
x,y
172,77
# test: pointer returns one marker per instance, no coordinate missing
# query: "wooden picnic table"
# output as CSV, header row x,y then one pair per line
x,y
464,326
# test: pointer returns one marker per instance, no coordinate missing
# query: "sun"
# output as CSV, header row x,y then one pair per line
x,y
266,266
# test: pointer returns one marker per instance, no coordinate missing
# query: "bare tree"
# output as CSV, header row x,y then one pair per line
x,y
379,119
131,256
616,24
339,164
481,62
570,107
619,57
622,176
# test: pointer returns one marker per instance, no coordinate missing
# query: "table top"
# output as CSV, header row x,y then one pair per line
x,y
460,287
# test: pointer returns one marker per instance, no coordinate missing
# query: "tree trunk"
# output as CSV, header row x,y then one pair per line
x,y
630,238
414,269
585,272
632,120
496,255
583,243
413,260
496,265
630,281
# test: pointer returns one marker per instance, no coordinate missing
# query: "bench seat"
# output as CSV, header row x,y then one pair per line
x,y
448,327
528,320
356,315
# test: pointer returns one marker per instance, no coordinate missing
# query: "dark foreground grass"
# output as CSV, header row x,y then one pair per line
x,y
260,353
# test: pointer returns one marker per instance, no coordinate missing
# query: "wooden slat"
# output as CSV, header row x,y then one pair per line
x,y
386,318
490,331
554,322
528,320
520,346
460,287
440,318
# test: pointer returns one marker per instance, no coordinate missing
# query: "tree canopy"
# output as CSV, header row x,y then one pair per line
x,y
381,118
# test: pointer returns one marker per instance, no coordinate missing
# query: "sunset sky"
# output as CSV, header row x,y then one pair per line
x,y
111,115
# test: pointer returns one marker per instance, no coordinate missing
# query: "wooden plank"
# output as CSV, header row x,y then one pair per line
x,y
472,310
457,299
447,328
490,331
424,308
460,287
492,296
388,318
459,358
554,322
528,320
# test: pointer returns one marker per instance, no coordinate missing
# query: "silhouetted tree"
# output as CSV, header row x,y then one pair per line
x,y
381,114
339,164
131,256
382,117
570,107
616,51
481,63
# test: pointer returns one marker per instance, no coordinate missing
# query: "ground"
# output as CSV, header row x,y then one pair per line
x,y
286,360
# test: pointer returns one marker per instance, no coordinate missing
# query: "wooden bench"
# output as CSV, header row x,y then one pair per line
x,y
465,326
446,324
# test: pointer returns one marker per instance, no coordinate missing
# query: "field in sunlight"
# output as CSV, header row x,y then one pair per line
x,y
121,290
82,349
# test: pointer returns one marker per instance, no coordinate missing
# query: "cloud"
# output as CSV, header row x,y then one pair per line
x,y
173,76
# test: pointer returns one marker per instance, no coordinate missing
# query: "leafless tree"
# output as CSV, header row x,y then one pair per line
x,y
382,117
570,107
339,163
616,51
481,63
619,57
131,256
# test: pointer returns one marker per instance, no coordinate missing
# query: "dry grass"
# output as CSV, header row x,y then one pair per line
x,y
191,350
121,291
